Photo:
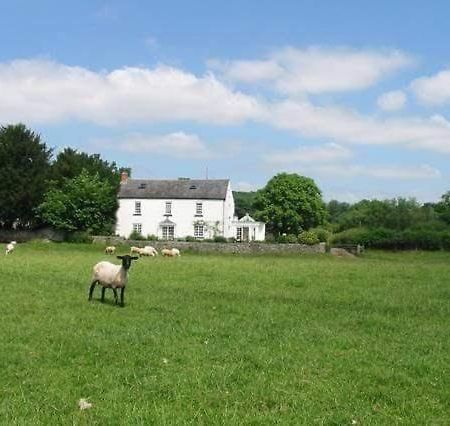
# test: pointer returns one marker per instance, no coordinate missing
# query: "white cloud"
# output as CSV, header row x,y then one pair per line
x,y
344,126
392,101
383,172
308,155
177,145
44,91
434,90
317,70
245,186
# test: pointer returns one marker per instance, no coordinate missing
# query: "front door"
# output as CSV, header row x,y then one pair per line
x,y
167,232
245,233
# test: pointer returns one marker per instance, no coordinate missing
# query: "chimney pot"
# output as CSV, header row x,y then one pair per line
x,y
123,177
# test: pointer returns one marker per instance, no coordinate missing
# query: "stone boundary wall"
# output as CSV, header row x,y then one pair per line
x,y
210,247
7,235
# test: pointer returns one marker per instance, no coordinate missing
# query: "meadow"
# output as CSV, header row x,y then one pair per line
x,y
208,339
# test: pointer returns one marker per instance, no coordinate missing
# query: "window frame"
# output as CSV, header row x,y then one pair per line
x,y
199,211
137,211
168,208
199,231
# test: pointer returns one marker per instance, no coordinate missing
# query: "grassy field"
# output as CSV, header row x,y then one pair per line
x,y
213,339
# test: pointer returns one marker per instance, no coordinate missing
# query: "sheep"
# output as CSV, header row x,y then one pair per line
x,y
134,249
109,275
110,250
10,247
148,251
170,252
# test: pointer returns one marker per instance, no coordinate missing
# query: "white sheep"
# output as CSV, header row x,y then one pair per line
x,y
170,252
148,251
134,249
110,250
109,275
10,247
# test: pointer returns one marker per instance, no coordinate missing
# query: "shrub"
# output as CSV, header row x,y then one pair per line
x,y
322,234
220,239
152,237
190,239
283,239
136,236
78,237
308,237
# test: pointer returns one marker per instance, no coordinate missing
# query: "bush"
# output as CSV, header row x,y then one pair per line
x,y
220,239
152,237
190,239
382,238
78,237
322,234
136,236
284,239
308,237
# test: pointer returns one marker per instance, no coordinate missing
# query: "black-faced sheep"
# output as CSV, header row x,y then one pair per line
x,y
109,275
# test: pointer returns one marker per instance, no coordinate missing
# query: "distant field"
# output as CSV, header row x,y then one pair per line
x,y
304,339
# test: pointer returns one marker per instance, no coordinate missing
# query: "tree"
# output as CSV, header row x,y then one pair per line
x,y
24,170
443,207
84,203
290,203
70,163
243,202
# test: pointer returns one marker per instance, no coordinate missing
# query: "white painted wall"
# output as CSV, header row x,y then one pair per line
x,y
183,215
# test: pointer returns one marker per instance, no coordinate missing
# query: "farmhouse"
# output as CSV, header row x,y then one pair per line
x,y
170,209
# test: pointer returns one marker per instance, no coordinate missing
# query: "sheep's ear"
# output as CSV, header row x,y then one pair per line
x,y
119,257
134,257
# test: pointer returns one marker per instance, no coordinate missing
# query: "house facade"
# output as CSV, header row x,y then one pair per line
x,y
170,209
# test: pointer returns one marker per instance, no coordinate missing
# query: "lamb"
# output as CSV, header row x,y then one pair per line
x,y
110,250
109,275
148,251
10,247
170,252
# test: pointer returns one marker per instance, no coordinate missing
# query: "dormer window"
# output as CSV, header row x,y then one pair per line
x,y
142,186
168,207
137,208
193,186
198,209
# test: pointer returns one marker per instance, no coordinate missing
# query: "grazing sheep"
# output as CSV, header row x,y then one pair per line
x,y
110,250
134,249
170,252
109,275
148,251
10,247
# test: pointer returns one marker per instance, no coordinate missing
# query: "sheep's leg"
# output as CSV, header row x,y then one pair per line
x,y
122,291
91,290
115,296
103,294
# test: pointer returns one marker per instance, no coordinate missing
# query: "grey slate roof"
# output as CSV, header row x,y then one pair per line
x,y
202,189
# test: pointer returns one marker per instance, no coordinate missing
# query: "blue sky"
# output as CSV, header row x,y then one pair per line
x,y
353,94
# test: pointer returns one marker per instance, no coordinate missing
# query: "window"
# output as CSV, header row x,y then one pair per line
x,y
239,234
199,231
168,207
199,209
168,232
137,227
137,208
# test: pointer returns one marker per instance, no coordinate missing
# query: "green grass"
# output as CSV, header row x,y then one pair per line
x,y
226,340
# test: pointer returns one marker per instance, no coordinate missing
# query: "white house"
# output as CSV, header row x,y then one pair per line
x,y
175,208
179,208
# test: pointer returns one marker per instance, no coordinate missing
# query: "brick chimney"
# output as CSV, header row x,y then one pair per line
x,y
123,177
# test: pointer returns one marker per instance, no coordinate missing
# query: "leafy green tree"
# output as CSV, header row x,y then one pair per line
x,y
83,203
290,203
336,209
70,163
244,203
443,208
24,170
